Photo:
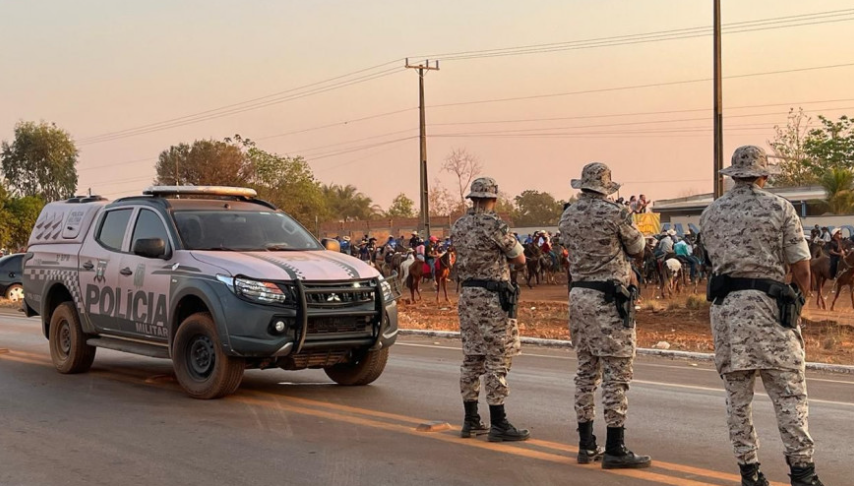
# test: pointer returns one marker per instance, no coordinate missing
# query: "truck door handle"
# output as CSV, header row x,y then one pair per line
x,y
88,266
126,271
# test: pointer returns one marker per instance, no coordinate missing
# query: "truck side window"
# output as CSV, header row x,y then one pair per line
x,y
148,225
112,231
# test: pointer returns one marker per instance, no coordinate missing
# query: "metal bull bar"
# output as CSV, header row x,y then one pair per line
x,y
302,312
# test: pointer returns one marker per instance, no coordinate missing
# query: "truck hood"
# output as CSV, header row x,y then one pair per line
x,y
282,265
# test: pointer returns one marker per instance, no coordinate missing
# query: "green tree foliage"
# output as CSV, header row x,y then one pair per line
x,y
289,183
205,163
401,207
535,208
347,203
831,146
789,146
40,161
838,184
24,211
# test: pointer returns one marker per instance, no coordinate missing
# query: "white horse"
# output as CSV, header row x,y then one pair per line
x,y
404,268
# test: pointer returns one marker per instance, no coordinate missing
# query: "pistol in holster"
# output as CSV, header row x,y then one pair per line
x,y
624,298
790,300
508,296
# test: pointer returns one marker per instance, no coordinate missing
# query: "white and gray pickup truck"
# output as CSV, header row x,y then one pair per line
x,y
212,278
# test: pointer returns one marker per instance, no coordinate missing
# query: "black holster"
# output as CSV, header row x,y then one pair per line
x,y
790,300
508,293
618,294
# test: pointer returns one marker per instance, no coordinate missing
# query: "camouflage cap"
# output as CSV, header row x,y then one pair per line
x,y
483,188
748,161
596,177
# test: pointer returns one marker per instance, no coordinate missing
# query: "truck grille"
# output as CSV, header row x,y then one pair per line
x,y
339,294
329,325
320,359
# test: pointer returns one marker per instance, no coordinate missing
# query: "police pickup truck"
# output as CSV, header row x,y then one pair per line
x,y
212,278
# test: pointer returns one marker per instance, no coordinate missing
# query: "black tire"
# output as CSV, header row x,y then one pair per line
x,y
360,373
204,371
15,292
68,349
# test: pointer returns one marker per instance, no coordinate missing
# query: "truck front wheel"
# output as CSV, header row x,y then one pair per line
x,y
68,349
203,369
362,372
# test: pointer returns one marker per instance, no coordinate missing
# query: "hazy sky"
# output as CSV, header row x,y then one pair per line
x,y
96,67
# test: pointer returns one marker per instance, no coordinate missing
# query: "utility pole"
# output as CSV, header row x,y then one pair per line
x,y
718,115
423,187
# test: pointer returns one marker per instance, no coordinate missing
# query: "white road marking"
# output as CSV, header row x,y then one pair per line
x,y
637,363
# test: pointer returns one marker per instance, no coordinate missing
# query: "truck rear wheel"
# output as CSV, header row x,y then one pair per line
x,y
203,369
68,349
362,372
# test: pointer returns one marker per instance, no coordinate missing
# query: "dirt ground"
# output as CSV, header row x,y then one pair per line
x,y
683,322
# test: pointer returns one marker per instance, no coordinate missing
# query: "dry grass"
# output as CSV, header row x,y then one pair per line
x,y
683,322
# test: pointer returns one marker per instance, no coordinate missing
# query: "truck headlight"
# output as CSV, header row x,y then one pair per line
x,y
388,294
255,290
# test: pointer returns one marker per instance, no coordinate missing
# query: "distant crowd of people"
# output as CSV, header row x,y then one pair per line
x,y
636,204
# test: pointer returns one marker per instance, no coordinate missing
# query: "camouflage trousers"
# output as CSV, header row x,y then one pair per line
x,y
788,392
490,340
618,373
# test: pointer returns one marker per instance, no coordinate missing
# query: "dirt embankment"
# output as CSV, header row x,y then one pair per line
x,y
682,322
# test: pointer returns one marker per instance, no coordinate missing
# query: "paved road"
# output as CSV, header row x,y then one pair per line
x,y
126,422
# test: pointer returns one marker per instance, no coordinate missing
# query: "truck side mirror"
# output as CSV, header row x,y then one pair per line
x,y
150,248
331,244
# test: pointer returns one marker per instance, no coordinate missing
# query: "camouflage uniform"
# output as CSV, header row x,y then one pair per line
x,y
751,233
490,339
598,234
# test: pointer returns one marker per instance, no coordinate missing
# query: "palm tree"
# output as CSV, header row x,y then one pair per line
x,y
838,184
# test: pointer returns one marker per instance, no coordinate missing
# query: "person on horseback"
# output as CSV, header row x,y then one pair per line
x,y
683,249
345,245
488,324
602,238
836,251
431,253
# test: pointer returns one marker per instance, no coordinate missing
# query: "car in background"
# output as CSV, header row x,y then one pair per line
x,y
10,277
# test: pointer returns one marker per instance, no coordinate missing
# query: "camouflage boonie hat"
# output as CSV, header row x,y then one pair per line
x,y
748,161
483,188
596,177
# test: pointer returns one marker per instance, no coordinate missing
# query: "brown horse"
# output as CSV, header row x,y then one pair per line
x,y
820,271
413,281
845,279
533,262
444,264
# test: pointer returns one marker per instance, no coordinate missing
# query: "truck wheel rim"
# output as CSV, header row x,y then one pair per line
x,y
16,294
64,338
202,357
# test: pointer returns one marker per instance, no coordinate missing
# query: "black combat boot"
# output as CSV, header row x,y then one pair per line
x,y
502,430
472,425
616,454
588,451
804,475
751,475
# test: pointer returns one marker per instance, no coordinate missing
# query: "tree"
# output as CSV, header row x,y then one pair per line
x,y
838,184
205,163
831,146
440,199
505,206
465,167
41,161
23,212
535,208
289,183
401,207
789,146
347,203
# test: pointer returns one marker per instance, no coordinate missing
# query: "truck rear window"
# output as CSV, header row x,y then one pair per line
x,y
243,231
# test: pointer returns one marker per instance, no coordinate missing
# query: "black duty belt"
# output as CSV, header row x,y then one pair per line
x,y
761,284
606,287
490,285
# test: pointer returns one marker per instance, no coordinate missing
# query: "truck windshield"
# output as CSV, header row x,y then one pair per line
x,y
242,231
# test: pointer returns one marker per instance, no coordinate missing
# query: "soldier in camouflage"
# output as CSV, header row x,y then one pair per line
x,y
752,235
485,249
601,237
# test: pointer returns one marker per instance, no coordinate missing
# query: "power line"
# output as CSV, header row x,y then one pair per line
x,y
303,151
642,113
657,36
346,122
147,159
219,114
358,149
638,86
